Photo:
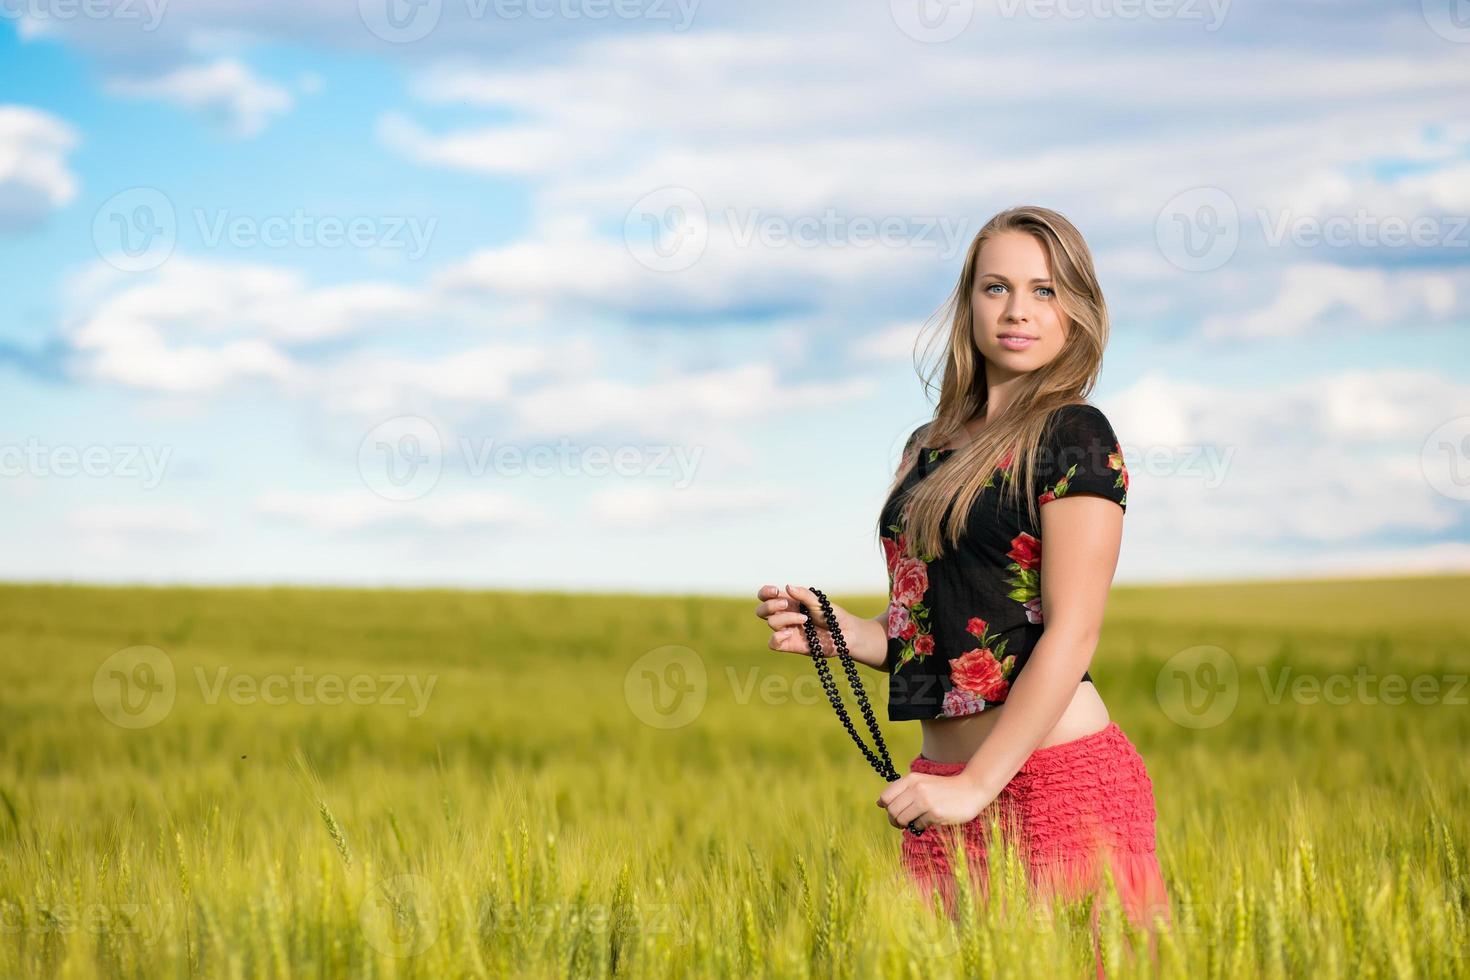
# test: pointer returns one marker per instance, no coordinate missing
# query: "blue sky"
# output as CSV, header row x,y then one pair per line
x,y
286,277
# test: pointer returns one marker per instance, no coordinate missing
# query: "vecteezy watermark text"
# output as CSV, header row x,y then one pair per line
x,y
407,233
403,458
150,12
137,229
137,687
36,459
406,21
300,687
1200,687
1201,228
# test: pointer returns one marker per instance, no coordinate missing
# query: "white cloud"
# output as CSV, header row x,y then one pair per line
x,y
1313,296
380,383
1331,458
564,265
198,326
687,404
492,150
624,116
34,176
358,509
226,92
896,343
137,520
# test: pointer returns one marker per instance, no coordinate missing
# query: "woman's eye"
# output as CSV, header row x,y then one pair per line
x,y
1048,290
994,285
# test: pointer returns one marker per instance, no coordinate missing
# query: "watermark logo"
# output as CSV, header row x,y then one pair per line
x,y
666,687
135,230
932,21
402,458
399,916
1198,687
1444,459
1450,19
1199,229
667,230
400,21
135,687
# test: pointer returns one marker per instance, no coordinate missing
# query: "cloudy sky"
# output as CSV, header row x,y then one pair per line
x,y
584,294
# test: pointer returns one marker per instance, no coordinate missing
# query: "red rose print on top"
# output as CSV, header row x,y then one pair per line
x,y
1025,574
908,581
980,676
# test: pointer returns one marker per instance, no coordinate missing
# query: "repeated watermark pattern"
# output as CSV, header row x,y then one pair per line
x,y
1200,687
938,21
402,916
1450,19
138,229
669,229
403,458
147,14
1200,229
33,458
137,687
407,21
669,687
139,922
399,916
1444,458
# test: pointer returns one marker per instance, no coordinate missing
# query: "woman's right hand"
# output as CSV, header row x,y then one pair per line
x,y
784,611
784,615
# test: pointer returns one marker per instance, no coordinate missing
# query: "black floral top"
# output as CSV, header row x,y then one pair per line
x,y
961,627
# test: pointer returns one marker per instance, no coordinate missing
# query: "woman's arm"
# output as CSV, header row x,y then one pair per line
x,y
1083,535
882,620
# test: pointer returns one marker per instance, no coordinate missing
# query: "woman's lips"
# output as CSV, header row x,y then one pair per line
x,y
1017,343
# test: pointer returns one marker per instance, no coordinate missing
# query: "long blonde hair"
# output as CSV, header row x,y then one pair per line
x,y
1067,379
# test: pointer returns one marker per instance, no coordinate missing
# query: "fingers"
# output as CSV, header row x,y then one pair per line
x,y
792,639
891,791
775,602
803,596
910,811
789,641
786,620
905,801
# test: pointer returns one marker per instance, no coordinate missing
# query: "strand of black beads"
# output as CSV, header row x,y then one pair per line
x,y
888,771
824,674
884,766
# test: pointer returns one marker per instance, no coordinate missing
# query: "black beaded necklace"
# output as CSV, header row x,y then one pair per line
x,y
881,762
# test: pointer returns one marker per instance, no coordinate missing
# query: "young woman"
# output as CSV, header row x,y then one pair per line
x,y
987,645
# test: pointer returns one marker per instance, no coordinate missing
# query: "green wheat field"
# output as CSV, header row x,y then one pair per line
x,y
323,783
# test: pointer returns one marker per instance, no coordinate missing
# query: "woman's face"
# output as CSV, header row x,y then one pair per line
x,y
1018,325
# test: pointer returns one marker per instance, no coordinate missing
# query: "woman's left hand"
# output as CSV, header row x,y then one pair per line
x,y
932,799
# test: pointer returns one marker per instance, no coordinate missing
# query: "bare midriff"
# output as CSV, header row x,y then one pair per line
x,y
958,739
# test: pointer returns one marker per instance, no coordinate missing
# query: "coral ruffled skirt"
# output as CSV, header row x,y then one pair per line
x,y
1071,810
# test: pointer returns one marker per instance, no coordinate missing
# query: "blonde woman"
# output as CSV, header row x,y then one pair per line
x,y
988,646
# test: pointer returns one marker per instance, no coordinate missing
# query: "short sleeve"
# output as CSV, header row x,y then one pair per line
x,y
1081,455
